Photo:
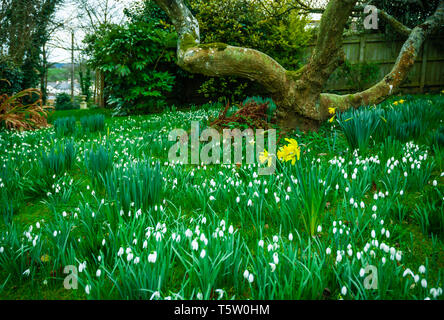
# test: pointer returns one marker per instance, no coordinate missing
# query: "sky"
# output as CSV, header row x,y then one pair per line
x,y
68,13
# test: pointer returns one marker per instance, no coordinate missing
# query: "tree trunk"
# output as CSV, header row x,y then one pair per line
x,y
298,94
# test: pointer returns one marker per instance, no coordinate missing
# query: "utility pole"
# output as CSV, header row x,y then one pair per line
x,y
72,65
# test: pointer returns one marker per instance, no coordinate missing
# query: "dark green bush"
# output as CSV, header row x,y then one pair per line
x,y
64,102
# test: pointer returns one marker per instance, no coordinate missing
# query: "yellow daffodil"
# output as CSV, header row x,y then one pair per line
x,y
332,110
265,157
294,147
332,119
401,101
290,152
395,103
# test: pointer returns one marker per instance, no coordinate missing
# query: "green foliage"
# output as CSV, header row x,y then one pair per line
x,y
64,102
137,186
133,58
98,161
358,126
360,76
61,157
65,126
93,123
11,76
85,82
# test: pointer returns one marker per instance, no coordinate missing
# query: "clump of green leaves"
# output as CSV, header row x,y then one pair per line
x,y
136,186
98,161
358,126
65,126
93,123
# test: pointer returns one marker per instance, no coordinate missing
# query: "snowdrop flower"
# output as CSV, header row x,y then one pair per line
x,y
129,257
249,203
435,183
407,272
120,252
387,234
273,267
195,245
401,192
155,295
136,260
270,247
212,198
152,257
88,289
362,272
2,249
261,243
250,278
82,266
328,251
220,292
373,234
290,237
275,258
383,260
424,283
246,274
188,233
319,228
398,256
26,272
98,273
358,255
237,200
422,269
230,229
338,258
203,253
344,291
275,238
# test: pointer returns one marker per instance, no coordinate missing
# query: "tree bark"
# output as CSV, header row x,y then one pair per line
x,y
298,94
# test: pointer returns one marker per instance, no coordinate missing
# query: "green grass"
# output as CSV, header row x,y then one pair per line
x,y
122,208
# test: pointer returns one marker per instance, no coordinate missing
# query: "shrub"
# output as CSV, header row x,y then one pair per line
x,y
64,102
134,59
93,123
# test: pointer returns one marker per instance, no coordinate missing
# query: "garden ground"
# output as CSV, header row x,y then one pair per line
x,y
99,193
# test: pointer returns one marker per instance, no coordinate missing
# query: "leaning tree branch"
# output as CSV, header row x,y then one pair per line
x,y
404,63
218,59
395,24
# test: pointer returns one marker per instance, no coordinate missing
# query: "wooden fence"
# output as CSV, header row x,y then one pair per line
x,y
426,75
